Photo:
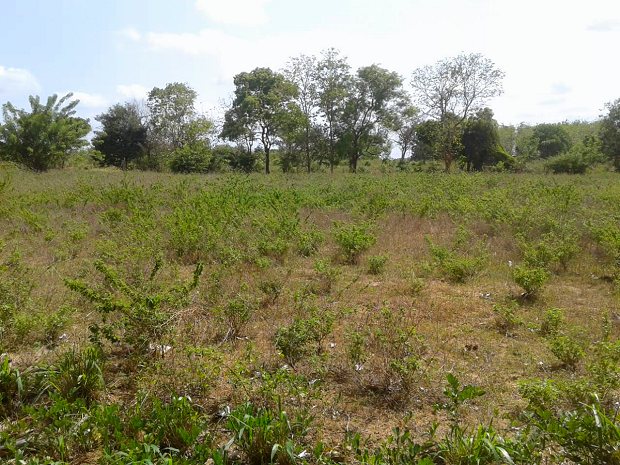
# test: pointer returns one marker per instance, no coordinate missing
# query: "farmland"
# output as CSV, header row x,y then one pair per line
x,y
371,318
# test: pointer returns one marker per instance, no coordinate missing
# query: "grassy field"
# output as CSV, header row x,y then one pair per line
x,y
402,318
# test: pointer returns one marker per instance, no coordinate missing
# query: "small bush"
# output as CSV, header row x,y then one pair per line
x,y
302,337
456,268
308,242
376,264
506,318
354,239
11,387
552,321
78,375
268,436
568,163
326,276
567,350
531,279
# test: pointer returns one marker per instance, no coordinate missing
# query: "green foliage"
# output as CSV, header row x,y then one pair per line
x,y
456,268
78,375
353,239
237,313
506,318
45,137
11,387
567,350
551,139
376,264
386,354
610,133
303,337
458,396
188,159
268,436
326,276
308,242
552,322
531,279
122,138
136,315
568,163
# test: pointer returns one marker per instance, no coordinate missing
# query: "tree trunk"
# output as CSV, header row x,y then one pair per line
x,y
353,164
267,150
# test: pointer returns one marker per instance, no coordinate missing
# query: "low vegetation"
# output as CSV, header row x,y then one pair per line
x,y
382,318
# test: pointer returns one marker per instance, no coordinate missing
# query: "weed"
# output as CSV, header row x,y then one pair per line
x,y
530,279
353,239
376,264
567,350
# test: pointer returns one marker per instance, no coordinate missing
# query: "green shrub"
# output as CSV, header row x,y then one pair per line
x,y
552,321
326,276
308,242
268,436
567,350
354,239
506,318
376,264
302,337
11,387
568,163
456,268
78,375
531,279
190,159
237,313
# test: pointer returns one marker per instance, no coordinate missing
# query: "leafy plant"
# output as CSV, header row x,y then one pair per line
x,y
303,336
376,264
552,321
139,316
267,436
530,279
506,318
353,239
568,351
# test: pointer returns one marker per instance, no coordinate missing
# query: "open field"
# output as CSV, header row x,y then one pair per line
x,y
158,318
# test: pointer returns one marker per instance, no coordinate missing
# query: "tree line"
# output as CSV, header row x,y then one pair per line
x,y
316,113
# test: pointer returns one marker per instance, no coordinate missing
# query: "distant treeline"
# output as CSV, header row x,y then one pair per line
x,y
313,115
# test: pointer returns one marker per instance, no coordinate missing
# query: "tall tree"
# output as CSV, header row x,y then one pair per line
x,y
481,143
302,70
404,126
333,82
123,135
551,139
171,110
44,137
263,98
452,88
369,110
610,133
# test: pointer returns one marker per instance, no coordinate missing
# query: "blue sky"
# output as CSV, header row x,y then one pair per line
x,y
559,56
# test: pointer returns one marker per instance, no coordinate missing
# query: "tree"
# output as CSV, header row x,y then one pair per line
x,y
333,82
44,137
609,133
123,136
171,110
369,110
550,140
195,155
263,98
480,140
453,88
302,71
406,121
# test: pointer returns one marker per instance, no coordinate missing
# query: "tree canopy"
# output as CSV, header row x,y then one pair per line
x,y
44,137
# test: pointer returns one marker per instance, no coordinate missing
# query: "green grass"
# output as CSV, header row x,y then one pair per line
x,y
181,318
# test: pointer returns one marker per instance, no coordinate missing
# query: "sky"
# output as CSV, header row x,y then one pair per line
x,y
560,57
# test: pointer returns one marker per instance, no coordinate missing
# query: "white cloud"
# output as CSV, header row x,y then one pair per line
x,y
14,81
132,91
608,25
91,101
239,12
130,33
